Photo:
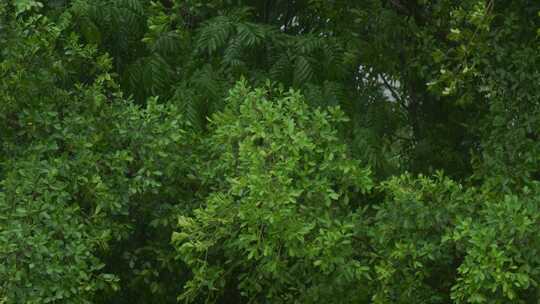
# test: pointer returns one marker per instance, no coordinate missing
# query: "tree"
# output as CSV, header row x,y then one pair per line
x,y
379,151
280,224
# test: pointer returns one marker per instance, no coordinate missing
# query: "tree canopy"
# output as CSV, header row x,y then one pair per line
x,y
259,151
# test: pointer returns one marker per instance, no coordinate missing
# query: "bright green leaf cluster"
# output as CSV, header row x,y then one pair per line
x,y
280,223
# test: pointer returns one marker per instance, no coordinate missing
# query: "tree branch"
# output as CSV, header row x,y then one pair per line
x,y
396,96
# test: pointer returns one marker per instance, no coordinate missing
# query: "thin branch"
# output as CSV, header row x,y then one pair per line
x,y
396,96
400,7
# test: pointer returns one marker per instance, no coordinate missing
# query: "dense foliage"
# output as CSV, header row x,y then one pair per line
x,y
257,151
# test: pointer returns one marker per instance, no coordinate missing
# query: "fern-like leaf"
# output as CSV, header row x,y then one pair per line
x,y
303,71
